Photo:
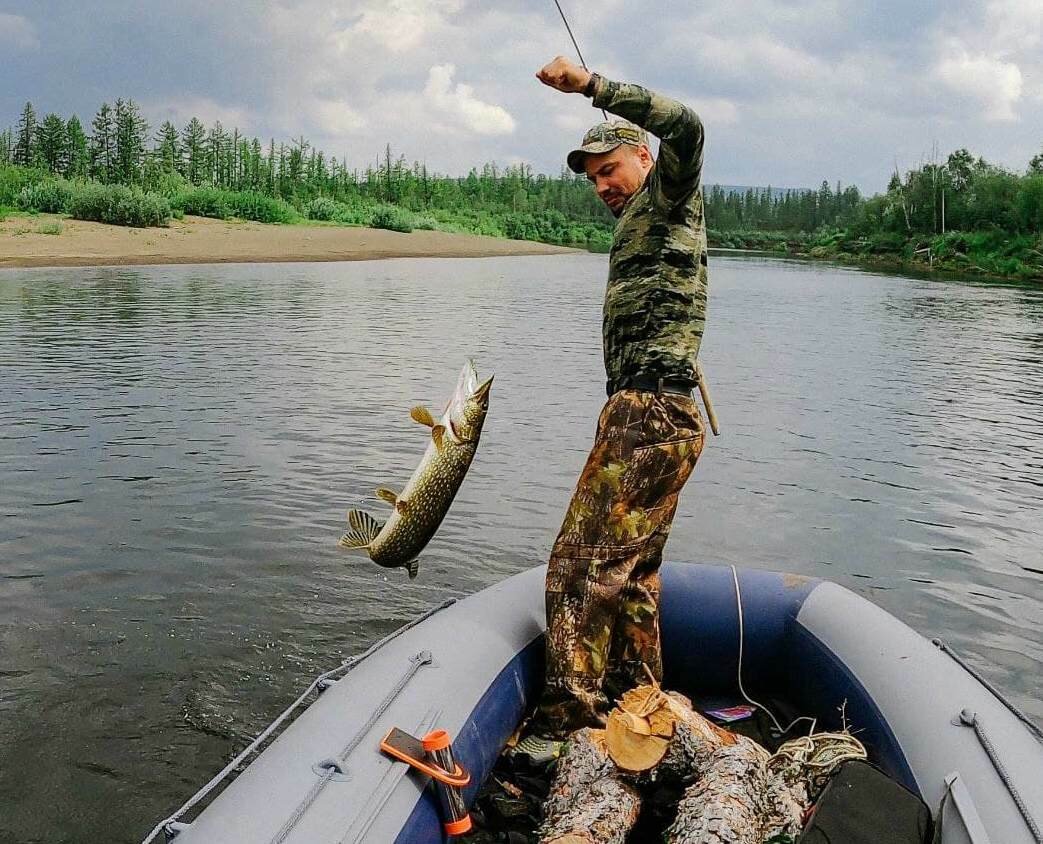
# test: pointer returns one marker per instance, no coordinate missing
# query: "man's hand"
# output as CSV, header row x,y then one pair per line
x,y
563,75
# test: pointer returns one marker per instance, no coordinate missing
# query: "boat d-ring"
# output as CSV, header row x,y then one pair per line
x,y
333,769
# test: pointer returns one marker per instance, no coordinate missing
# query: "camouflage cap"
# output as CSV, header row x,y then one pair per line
x,y
605,137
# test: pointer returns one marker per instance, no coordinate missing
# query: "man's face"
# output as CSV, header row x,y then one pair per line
x,y
618,174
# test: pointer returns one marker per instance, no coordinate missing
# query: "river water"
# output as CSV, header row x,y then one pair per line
x,y
178,446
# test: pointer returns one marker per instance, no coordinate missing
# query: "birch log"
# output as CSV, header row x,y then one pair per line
x,y
731,797
589,803
733,800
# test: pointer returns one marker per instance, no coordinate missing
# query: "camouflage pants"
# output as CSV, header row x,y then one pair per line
x,y
603,575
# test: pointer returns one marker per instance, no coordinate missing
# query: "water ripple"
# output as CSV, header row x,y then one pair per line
x,y
179,446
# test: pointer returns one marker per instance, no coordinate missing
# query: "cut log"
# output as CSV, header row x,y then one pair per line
x,y
732,797
641,730
722,805
734,800
589,803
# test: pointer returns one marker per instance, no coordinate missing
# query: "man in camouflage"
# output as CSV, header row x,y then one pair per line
x,y
603,577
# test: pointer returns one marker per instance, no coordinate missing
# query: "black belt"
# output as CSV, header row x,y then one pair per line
x,y
648,384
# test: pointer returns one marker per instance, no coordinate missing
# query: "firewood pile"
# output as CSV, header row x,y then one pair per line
x,y
660,771
731,795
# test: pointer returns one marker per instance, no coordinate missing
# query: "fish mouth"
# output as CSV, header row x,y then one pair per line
x,y
481,392
465,384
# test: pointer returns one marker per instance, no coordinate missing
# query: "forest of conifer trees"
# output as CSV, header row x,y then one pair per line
x,y
964,209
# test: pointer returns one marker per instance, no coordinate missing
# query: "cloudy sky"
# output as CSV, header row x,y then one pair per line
x,y
791,92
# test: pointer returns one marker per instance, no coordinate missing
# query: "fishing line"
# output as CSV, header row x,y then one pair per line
x,y
565,20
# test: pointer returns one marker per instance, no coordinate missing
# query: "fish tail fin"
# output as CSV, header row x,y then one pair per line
x,y
413,566
363,530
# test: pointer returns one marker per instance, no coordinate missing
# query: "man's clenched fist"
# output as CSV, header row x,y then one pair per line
x,y
563,75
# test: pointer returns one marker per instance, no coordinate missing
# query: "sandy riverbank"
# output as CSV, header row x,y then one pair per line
x,y
196,240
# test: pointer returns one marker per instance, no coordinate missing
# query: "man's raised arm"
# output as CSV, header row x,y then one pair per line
x,y
680,162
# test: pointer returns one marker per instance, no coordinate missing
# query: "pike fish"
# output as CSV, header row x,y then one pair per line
x,y
418,510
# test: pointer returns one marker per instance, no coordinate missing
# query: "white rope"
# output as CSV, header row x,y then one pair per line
x,y
742,637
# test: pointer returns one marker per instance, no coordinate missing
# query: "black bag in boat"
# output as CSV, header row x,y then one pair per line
x,y
862,805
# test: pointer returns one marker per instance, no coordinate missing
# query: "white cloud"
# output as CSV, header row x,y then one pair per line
x,y
986,80
180,111
460,104
573,121
790,92
18,32
990,59
762,55
336,117
715,111
403,25
1015,24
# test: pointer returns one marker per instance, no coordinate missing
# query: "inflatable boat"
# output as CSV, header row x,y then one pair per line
x,y
474,667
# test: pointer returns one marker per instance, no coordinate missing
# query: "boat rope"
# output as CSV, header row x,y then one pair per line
x,y
319,682
813,758
742,691
1021,716
336,764
565,20
969,718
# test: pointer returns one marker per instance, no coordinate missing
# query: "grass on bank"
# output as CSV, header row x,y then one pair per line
x,y
53,227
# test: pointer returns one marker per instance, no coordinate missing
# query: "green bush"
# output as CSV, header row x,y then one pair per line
x,y
13,179
392,217
49,228
321,208
248,205
223,204
202,202
48,197
600,241
119,205
354,215
168,184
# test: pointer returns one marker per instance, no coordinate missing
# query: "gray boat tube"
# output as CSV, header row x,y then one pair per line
x,y
475,668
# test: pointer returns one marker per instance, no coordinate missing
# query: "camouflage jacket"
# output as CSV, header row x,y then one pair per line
x,y
655,303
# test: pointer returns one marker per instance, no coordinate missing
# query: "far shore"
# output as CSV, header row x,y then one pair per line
x,y
197,240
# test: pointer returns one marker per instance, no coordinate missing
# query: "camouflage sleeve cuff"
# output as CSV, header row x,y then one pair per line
x,y
592,86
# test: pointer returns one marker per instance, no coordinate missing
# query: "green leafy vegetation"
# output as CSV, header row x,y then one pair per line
x,y
964,214
50,196
219,173
53,227
119,205
226,204
390,217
